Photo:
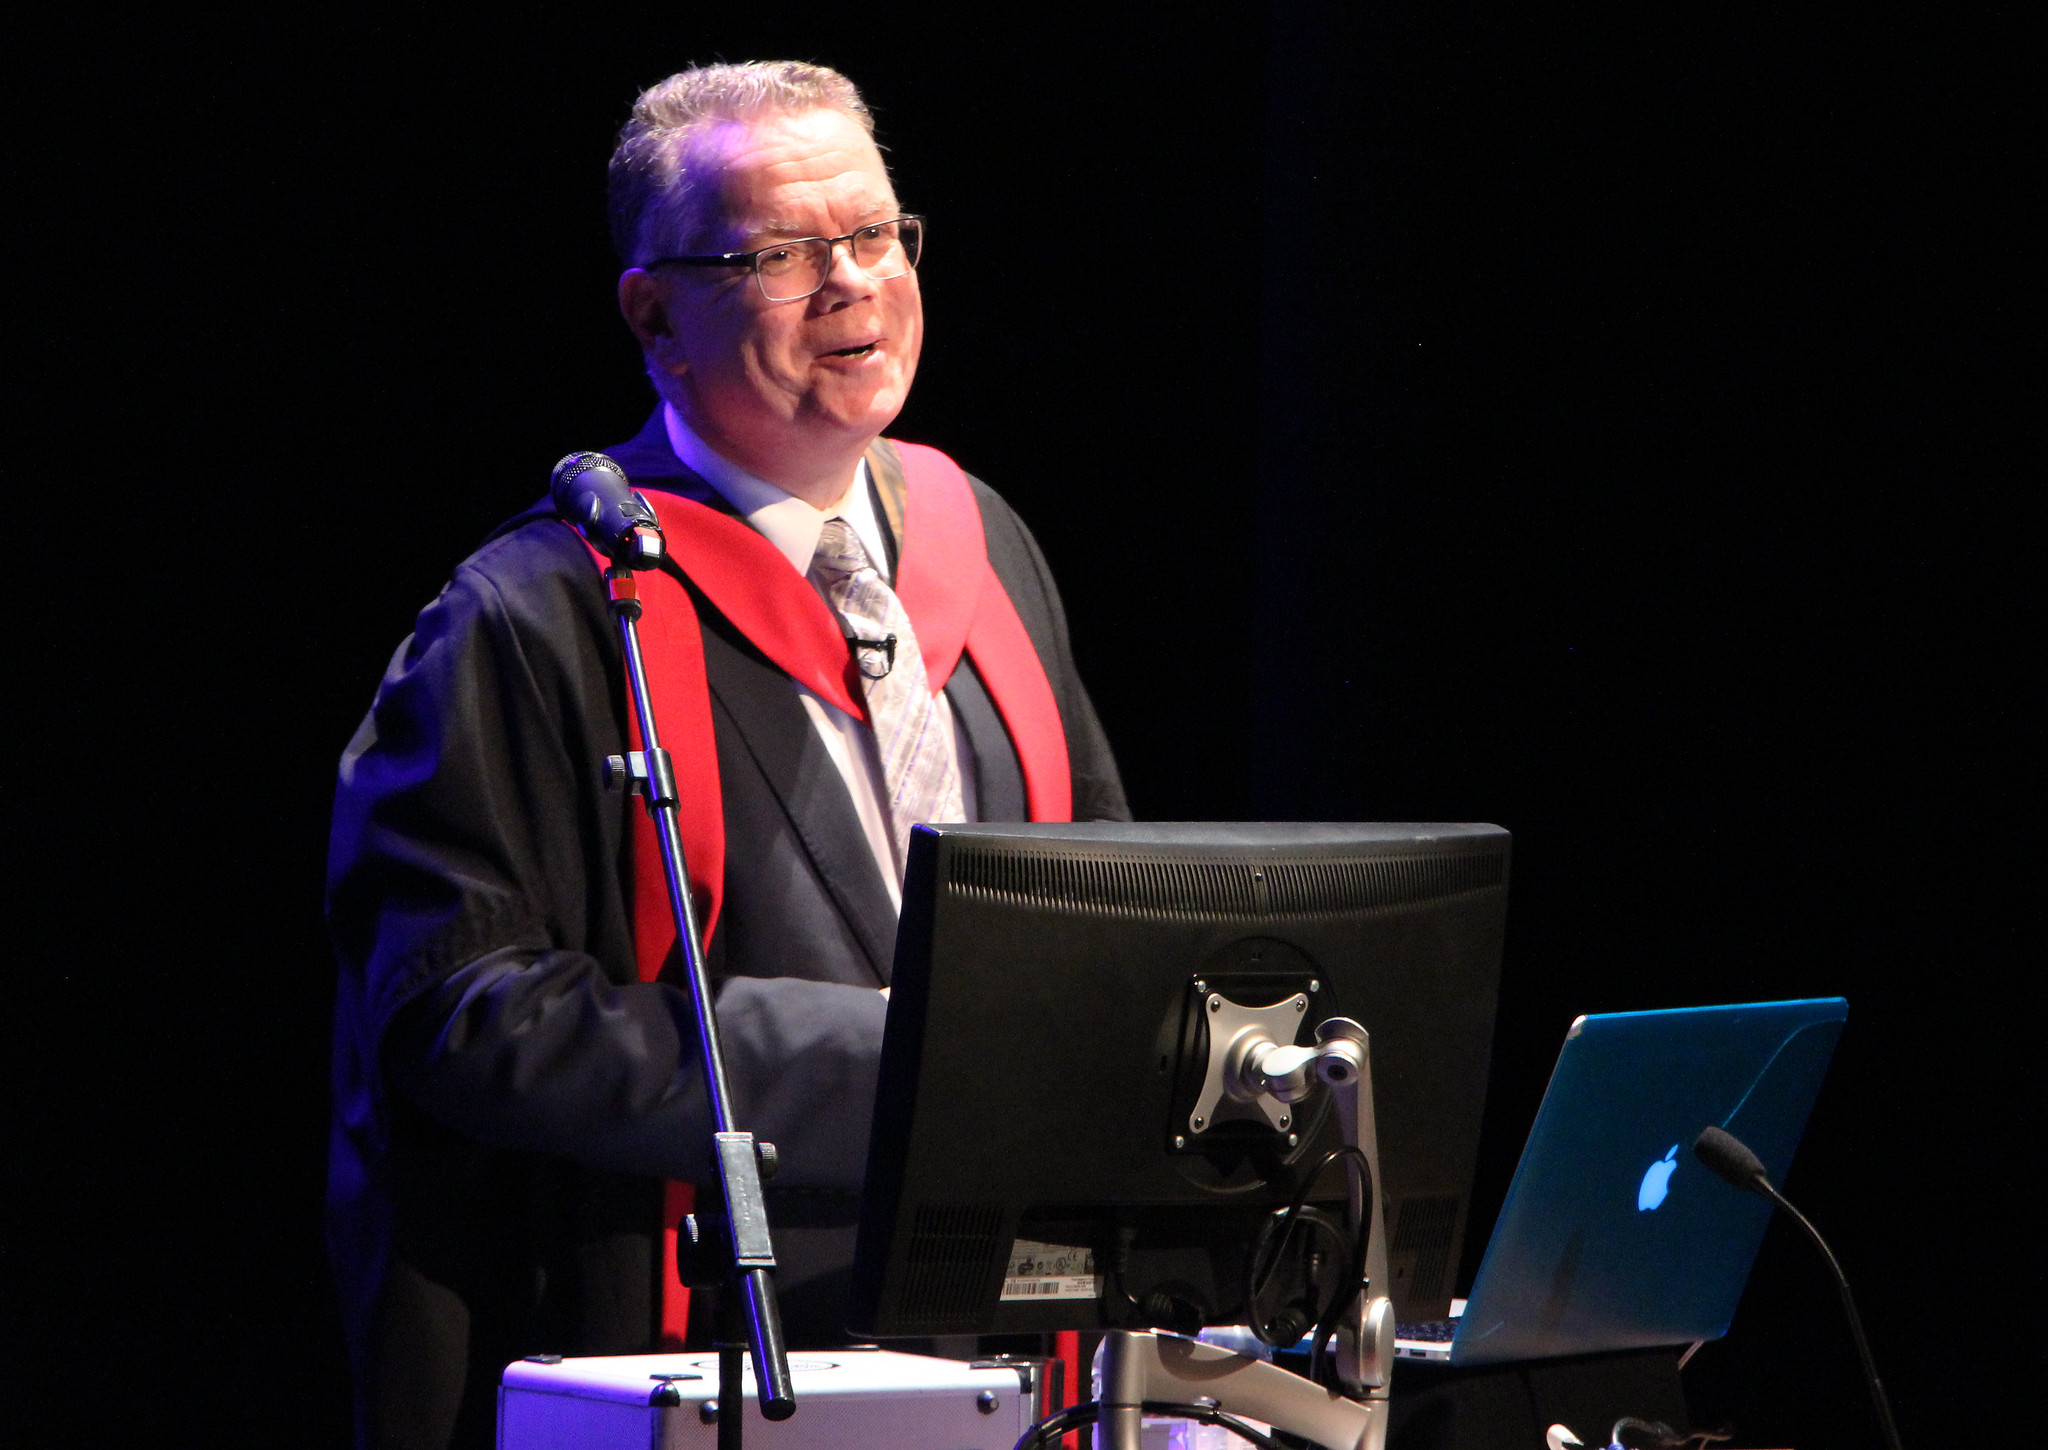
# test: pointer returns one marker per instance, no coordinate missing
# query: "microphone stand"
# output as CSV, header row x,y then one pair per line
x,y
747,1277
1878,1398
1729,1159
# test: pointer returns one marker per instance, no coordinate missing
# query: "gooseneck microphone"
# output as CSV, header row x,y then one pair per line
x,y
591,492
1730,1160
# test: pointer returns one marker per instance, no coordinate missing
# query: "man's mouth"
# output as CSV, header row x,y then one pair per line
x,y
861,351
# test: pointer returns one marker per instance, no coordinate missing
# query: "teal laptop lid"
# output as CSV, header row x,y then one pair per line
x,y
1613,1235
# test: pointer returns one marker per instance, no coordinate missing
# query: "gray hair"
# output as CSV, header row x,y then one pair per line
x,y
657,198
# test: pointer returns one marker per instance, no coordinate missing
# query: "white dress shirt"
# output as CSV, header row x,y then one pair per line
x,y
793,526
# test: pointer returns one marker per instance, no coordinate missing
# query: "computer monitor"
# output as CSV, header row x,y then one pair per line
x,y
1034,1164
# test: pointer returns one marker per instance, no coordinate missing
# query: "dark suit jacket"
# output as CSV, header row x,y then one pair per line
x,y
507,1093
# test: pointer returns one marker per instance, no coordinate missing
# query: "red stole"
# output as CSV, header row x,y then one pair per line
x,y
957,605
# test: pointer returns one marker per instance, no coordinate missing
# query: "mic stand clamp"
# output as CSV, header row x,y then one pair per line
x,y
747,1314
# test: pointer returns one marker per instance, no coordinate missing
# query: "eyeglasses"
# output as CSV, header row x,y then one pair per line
x,y
790,271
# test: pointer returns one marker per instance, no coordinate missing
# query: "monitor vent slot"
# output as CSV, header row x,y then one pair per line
x,y
1421,1251
1221,888
955,1256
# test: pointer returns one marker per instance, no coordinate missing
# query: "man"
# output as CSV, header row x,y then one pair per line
x,y
515,1072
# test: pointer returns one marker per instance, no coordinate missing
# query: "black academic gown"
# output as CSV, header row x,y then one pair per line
x,y
508,1095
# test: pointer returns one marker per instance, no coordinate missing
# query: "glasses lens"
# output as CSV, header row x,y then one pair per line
x,y
793,271
797,269
888,249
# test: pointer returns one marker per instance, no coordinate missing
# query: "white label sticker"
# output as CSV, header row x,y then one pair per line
x,y
1050,1271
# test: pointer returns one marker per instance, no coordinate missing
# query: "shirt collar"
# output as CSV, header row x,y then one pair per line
x,y
780,517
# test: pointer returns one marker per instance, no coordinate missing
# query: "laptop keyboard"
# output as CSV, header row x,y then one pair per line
x,y
1427,1331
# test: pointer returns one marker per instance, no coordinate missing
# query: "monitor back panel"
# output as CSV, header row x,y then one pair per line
x,y
1045,1044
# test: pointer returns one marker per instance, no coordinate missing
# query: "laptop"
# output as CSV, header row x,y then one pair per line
x,y
1613,1235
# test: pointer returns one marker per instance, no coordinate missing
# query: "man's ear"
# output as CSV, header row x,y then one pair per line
x,y
643,302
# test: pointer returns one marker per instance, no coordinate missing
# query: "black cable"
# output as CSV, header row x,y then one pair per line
x,y
1355,1271
1353,1283
1701,1439
1049,1430
1663,1437
1212,1415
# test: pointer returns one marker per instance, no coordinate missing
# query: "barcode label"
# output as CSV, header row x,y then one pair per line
x,y
1050,1271
1071,1286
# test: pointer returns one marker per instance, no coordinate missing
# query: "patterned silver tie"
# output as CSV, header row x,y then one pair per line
x,y
912,732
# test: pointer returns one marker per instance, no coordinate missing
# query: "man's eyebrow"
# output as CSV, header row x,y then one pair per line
x,y
776,228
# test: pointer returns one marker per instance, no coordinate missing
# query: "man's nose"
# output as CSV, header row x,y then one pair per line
x,y
844,274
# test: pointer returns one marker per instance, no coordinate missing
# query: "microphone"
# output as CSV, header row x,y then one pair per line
x,y
1728,1158
591,492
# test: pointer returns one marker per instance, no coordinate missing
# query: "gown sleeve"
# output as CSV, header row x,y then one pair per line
x,y
481,916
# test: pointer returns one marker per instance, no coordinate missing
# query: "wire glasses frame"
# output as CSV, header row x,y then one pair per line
x,y
793,270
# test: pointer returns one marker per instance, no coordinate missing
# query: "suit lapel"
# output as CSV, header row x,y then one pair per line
x,y
760,703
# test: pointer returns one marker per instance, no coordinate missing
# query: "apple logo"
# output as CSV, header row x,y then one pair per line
x,y
1657,1182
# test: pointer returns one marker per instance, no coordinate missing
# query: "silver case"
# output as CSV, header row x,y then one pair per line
x,y
845,1399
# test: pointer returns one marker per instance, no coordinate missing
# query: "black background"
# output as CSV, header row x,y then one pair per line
x,y
1606,424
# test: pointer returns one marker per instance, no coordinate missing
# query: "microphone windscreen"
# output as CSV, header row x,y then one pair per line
x,y
591,491
1729,1158
610,485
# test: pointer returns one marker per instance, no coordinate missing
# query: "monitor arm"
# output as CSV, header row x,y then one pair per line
x,y
1141,1368
1253,1060
1365,1342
